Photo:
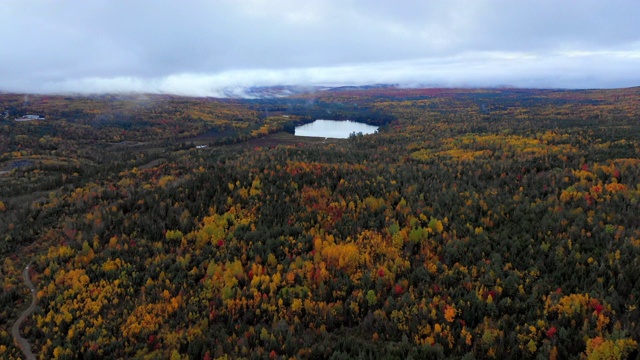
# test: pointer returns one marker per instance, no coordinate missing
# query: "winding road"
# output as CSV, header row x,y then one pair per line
x,y
21,342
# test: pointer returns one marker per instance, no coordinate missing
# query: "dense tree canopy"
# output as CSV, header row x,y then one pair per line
x,y
475,224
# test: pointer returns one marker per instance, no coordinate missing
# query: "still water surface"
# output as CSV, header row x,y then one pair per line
x,y
334,129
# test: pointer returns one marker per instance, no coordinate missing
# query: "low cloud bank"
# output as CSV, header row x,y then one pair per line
x,y
570,70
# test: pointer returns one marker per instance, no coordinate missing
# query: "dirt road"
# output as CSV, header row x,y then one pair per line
x,y
21,342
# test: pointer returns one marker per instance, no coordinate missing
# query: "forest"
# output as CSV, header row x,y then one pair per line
x,y
476,224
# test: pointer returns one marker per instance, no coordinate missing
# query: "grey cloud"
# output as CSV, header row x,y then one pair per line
x,y
200,47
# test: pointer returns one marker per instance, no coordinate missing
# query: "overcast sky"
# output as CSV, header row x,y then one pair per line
x,y
199,47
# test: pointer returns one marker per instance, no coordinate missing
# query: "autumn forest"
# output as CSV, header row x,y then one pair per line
x,y
475,224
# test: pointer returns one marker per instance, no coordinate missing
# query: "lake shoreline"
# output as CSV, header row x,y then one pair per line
x,y
334,129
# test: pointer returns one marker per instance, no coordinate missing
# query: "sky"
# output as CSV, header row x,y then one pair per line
x,y
220,47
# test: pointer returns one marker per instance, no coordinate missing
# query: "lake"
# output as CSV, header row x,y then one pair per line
x,y
334,129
